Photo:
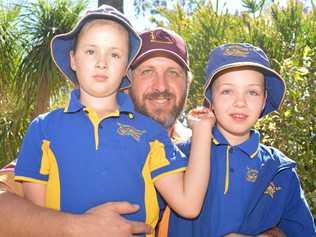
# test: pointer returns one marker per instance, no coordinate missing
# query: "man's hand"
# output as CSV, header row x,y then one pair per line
x,y
106,220
273,232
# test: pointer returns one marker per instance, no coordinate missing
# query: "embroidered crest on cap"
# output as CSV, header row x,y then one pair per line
x,y
160,37
127,130
236,50
272,189
251,175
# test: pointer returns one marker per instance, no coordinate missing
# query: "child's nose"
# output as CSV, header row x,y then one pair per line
x,y
240,101
101,62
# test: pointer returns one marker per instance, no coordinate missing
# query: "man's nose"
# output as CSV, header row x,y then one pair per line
x,y
160,83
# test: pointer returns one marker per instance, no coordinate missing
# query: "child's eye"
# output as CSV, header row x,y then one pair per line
x,y
253,93
115,55
90,51
226,92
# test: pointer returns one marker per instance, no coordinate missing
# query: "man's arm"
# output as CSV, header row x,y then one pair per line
x,y
20,217
273,232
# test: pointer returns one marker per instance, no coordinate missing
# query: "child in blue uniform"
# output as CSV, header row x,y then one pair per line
x,y
99,149
252,187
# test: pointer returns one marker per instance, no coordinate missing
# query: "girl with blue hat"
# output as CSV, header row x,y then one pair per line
x,y
99,149
252,187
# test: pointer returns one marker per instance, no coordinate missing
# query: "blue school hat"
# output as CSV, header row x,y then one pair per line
x,y
229,56
62,44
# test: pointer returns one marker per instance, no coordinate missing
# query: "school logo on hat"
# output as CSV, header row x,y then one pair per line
x,y
62,44
236,50
229,56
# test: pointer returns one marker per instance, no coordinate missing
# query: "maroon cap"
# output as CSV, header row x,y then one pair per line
x,y
161,41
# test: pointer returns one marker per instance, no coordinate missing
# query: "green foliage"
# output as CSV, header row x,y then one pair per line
x,y
30,83
37,77
287,35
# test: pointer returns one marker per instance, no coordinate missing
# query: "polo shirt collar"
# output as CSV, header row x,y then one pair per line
x,y
124,101
250,146
74,103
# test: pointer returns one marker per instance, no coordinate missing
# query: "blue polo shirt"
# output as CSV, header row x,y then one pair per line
x,y
86,161
252,188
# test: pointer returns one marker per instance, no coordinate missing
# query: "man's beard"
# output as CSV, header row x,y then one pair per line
x,y
166,118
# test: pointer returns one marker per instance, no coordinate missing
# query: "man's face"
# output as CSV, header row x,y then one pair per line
x,y
159,88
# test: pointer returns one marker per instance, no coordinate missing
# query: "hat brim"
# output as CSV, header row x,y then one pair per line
x,y
62,44
275,85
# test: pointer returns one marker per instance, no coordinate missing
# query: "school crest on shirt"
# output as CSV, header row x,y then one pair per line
x,y
128,130
272,189
251,175
236,50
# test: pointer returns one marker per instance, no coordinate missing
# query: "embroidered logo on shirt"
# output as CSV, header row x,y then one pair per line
x,y
272,189
251,175
236,50
127,130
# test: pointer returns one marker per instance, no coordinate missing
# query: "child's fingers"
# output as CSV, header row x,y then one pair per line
x,y
201,113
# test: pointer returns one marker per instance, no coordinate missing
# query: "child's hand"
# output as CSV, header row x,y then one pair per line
x,y
201,118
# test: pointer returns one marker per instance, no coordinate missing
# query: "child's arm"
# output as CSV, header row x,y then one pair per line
x,y
184,191
34,192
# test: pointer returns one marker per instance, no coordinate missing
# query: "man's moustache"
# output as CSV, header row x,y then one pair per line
x,y
159,95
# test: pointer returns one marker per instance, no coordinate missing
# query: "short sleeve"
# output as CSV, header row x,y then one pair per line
x,y
165,157
297,219
30,155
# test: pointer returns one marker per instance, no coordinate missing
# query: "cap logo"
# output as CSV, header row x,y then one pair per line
x,y
160,37
236,50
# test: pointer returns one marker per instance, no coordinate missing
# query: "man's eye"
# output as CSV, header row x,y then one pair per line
x,y
147,72
173,73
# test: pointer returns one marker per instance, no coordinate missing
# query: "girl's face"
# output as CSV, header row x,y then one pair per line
x,y
238,98
100,58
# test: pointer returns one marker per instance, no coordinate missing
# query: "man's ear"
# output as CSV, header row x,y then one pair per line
x,y
72,60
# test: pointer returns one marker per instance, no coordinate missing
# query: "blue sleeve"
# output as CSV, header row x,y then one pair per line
x,y
297,219
167,157
30,154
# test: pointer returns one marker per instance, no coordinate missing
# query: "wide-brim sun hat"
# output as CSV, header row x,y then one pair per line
x,y
162,42
240,55
62,44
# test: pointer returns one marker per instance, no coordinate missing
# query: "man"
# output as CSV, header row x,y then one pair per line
x,y
160,80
